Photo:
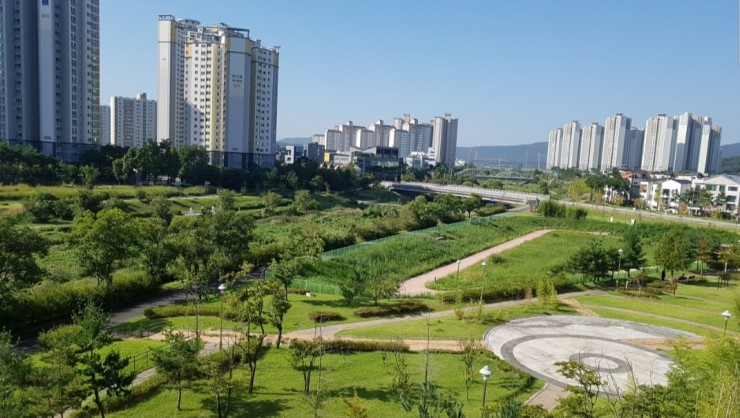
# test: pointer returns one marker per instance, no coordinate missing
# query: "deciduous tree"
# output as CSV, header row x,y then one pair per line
x,y
178,361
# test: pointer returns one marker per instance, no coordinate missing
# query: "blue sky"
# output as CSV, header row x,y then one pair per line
x,y
509,70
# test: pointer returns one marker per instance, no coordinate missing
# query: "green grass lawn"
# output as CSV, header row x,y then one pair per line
x,y
518,264
663,308
278,387
450,327
637,317
295,319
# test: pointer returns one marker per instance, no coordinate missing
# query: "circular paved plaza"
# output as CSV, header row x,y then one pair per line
x,y
535,344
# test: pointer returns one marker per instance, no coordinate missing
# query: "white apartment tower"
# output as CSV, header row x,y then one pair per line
x,y
616,130
444,139
592,137
659,147
217,89
554,142
50,75
133,121
105,125
570,145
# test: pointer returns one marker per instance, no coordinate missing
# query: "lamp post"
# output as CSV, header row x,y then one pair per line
x,y
457,277
222,288
727,316
485,372
619,265
483,264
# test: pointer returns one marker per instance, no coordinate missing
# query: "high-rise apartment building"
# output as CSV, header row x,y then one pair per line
x,y
444,139
217,89
133,121
710,159
616,130
105,125
50,75
592,137
554,143
633,149
659,146
570,145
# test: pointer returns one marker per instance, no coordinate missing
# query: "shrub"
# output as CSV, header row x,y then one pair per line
x,y
339,345
46,206
576,213
171,311
504,291
489,210
551,209
60,336
141,194
324,316
402,308
298,291
637,293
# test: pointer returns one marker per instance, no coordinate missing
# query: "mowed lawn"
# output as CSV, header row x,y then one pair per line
x,y
450,327
278,391
697,307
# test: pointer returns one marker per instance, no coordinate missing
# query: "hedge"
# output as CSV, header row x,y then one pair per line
x,y
506,291
339,345
324,316
171,311
402,308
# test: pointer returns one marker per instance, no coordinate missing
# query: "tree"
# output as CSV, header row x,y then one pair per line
x,y
277,309
16,399
89,175
63,386
633,256
382,288
45,207
100,375
674,250
178,361
704,252
582,402
250,312
121,171
470,352
352,288
303,202
593,260
228,199
19,249
303,356
103,241
355,408
271,201
472,203
162,208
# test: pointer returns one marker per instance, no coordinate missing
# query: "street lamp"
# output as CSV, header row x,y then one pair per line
x,y
619,265
457,278
485,372
727,316
483,264
222,288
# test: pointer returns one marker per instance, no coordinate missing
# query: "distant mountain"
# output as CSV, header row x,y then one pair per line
x,y
505,154
730,150
293,141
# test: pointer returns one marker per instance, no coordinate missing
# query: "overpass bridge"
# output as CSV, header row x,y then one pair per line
x,y
489,173
464,191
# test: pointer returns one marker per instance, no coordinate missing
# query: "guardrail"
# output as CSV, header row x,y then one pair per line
x,y
493,194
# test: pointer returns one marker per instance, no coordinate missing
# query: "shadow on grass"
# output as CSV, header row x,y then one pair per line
x,y
143,325
241,406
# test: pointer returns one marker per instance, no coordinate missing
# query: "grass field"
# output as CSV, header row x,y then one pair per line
x,y
278,387
450,327
695,308
517,265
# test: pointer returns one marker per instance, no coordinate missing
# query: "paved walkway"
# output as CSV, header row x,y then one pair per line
x,y
417,285
549,397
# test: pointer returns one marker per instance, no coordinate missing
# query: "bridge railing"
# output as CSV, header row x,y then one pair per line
x,y
467,191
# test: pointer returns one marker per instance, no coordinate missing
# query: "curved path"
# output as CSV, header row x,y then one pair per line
x,y
417,285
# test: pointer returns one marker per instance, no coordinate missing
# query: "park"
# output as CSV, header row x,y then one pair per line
x,y
318,294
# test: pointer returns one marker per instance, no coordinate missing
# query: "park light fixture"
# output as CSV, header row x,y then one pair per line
x,y
221,288
619,265
485,372
727,316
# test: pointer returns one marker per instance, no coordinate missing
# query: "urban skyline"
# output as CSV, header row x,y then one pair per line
x,y
507,63
683,143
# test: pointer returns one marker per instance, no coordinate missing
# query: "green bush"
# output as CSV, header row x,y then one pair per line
x,y
489,210
644,293
576,213
505,290
341,346
551,209
60,336
171,311
50,302
402,308
298,291
324,316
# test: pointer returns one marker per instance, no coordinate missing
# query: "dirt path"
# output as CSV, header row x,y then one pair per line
x,y
582,310
417,285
